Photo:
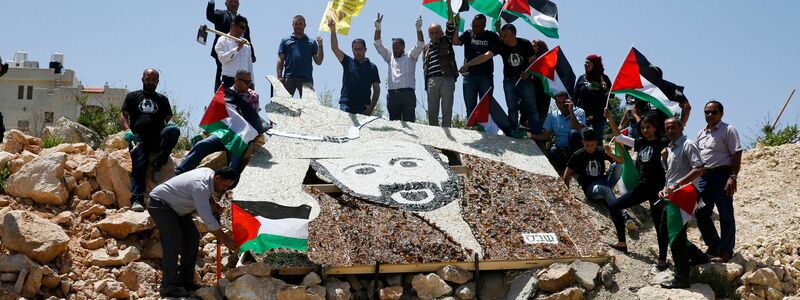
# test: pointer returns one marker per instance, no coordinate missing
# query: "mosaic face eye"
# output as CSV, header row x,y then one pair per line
x,y
361,169
364,170
408,164
405,162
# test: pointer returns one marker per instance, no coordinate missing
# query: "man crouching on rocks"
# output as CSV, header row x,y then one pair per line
x,y
172,205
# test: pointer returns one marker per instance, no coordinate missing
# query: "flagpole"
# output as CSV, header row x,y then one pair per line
x,y
784,108
608,99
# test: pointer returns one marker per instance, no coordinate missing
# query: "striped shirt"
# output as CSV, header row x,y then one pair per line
x,y
401,69
434,67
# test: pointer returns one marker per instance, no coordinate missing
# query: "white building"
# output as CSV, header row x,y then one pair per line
x,y
33,97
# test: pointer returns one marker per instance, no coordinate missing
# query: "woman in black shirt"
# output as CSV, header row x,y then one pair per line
x,y
648,149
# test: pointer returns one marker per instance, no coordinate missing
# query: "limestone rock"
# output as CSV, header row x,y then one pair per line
x,y
94,210
84,190
337,290
586,273
311,279
153,251
292,293
466,291
522,287
454,274
18,262
119,171
430,286
573,293
391,293
41,180
607,276
8,277
695,292
104,197
115,142
101,258
249,287
73,132
137,274
34,236
316,292
254,269
208,293
5,157
15,165
556,277
49,278
112,289
14,141
763,277
122,224
729,271
63,218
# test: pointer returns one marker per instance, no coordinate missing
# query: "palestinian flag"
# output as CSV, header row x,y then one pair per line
x,y
541,14
629,176
440,8
681,205
260,226
638,78
554,71
490,8
488,116
225,123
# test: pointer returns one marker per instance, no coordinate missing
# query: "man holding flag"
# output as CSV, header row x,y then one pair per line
x,y
684,167
244,129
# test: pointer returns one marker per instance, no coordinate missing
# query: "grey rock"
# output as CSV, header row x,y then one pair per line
x,y
556,277
466,291
454,274
430,286
249,287
34,236
209,293
523,286
121,225
335,289
312,279
695,292
607,276
101,258
586,273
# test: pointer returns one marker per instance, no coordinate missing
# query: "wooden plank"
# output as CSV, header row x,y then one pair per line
x,y
432,267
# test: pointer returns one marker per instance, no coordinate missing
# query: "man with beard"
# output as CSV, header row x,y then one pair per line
x,y
144,117
401,101
480,78
294,57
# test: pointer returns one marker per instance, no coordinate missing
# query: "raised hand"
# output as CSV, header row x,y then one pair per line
x,y
378,21
331,24
418,24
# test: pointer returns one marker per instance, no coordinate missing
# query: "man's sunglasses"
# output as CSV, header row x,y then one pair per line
x,y
245,81
712,112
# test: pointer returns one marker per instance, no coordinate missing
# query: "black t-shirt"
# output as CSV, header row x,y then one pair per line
x,y
515,59
357,80
476,45
146,112
589,166
591,96
648,160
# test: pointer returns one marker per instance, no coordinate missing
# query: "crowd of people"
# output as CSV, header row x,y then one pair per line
x,y
665,158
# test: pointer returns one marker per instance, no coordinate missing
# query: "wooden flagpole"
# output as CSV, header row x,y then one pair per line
x,y
783,109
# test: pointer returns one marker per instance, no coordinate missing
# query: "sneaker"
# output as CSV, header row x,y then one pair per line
x,y
630,225
137,207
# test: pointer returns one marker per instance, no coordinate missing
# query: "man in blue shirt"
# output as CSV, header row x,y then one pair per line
x,y
294,57
566,124
359,76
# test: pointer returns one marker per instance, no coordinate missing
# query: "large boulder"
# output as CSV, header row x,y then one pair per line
x,y
586,273
763,277
137,275
522,287
115,142
119,170
249,287
15,141
121,225
41,180
556,277
454,274
72,132
5,157
430,286
18,262
102,258
34,236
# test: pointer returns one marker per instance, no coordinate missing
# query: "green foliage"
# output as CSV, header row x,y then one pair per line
x,y
378,111
325,97
103,122
3,177
459,121
617,110
770,137
50,141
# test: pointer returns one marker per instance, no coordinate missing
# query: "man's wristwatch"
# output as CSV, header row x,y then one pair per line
x,y
734,177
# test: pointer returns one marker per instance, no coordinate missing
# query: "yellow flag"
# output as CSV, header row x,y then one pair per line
x,y
342,11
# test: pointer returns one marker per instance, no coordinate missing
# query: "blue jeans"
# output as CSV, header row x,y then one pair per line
x,y
559,155
712,189
162,144
599,125
346,107
522,94
202,149
474,88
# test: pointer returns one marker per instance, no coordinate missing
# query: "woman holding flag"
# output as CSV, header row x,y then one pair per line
x,y
651,179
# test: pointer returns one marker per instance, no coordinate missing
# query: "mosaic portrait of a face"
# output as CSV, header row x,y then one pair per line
x,y
399,174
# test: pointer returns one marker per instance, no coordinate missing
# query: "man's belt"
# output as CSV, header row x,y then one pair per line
x,y
400,90
718,169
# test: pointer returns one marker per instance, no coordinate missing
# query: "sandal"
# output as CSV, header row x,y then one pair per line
x,y
623,249
663,266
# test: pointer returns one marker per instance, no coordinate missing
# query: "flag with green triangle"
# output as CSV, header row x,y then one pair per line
x,y
440,8
681,205
541,14
629,175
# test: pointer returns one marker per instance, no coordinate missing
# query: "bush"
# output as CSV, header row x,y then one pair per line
x,y
50,141
103,122
770,137
3,177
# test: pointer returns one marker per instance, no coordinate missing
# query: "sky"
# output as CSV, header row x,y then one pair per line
x,y
742,53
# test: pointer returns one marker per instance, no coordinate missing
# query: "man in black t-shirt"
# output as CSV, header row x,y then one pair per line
x,y
480,77
517,54
144,117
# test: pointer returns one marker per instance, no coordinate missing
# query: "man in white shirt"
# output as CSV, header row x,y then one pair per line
x,y
234,54
401,102
171,206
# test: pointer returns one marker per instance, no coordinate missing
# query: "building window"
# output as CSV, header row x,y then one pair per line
x,y
21,92
30,92
48,117
23,125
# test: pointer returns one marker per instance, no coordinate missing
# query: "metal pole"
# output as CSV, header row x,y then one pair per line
x,y
784,108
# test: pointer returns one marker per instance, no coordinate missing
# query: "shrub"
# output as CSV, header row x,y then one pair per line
x,y
50,141
4,177
770,137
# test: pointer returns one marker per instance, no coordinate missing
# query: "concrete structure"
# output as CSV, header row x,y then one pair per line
x,y
33,97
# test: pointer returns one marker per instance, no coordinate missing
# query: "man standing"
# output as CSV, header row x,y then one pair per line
x,y
566,124
222,20
234,97
480,78
358,77
439,68
144,117
517,54
171,206
684,166
400,100
722,152
234,54
294,57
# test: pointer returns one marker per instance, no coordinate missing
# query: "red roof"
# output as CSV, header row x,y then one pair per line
x,y
96,90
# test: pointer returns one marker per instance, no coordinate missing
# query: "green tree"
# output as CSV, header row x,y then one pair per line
x,y
771,137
